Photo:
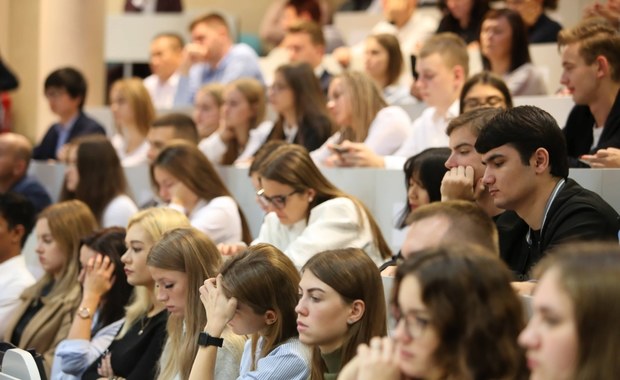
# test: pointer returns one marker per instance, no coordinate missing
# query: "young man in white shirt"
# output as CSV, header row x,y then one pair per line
x,y
443,65
165,58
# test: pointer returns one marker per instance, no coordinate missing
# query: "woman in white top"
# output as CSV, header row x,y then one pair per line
x,y
505,52
242,130
179,263
95,176
255,294
133,113
362,115
308,214
185,176
383,62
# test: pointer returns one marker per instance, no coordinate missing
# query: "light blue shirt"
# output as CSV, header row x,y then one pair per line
x,y
240,62
289,361
73,356
63,132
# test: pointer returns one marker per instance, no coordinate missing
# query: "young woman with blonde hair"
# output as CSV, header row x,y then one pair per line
x,y
307,214
361,115
255,294
44,317
179,264
136,350
341,306
242,130
207,106
185,176
133,113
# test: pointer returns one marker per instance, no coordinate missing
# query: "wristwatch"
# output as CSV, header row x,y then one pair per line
x,y
205,340
84,313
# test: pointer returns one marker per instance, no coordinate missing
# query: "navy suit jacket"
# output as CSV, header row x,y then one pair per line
x,y
32,189
84,125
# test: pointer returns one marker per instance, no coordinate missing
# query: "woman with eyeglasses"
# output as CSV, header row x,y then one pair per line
x,y
485,89
307,214
457,318
185,176
297,97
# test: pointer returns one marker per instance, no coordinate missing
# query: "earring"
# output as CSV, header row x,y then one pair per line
x,y
310,199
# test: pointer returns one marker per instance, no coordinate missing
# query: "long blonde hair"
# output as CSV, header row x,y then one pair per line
x,y
155,222
139,101
68,222
189,251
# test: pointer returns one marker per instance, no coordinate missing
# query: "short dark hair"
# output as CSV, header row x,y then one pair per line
x,y
69,79
311,7
16,209
178,41
526,128
211,19
310,28
520,51
184,126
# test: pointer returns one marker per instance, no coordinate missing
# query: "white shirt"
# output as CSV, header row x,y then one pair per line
x,y
214,147
386,133
162,92
14,278
332,224
219,219
429,131
137,157
118,211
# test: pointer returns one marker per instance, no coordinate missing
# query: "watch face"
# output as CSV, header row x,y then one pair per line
x,y
84,313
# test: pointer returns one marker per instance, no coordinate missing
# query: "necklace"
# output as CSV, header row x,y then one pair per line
x,y
143,324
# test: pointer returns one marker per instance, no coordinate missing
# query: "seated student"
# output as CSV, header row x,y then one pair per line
x,y
423,174
261,155
383,62
213,57
296,11
170,127
44,316
340,306
255,294
95,176
361,115
297,98
179,263
166,53
443,65
308,214
484,89
15,154
16,221
450,223
457,318
579,289
591,72
65,91
133,113
105,293
242,130
465,168
135,351
463,18
526,174
186,177
207,109
505,52
540,28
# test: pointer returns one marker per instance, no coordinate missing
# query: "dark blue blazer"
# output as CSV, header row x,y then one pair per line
x,y
84,125
32,189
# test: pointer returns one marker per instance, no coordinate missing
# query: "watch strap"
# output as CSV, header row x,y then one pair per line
x,y
205,340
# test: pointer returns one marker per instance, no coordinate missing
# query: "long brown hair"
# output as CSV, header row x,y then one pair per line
x,y
139,100
189,165
102,177
254,93
310,110
189,251
264,278
354,276
68,222
474,310
291,165
589,273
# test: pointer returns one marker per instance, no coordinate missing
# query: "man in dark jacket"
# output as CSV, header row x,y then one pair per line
x,y
526,174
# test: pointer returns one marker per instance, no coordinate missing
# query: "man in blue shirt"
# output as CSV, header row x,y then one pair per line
x,y
212,57
65,90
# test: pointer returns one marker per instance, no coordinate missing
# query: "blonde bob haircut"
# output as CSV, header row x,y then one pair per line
x,y
139,101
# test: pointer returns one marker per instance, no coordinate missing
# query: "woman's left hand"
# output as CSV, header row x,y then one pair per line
x,y
219,308
379,360
105,367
